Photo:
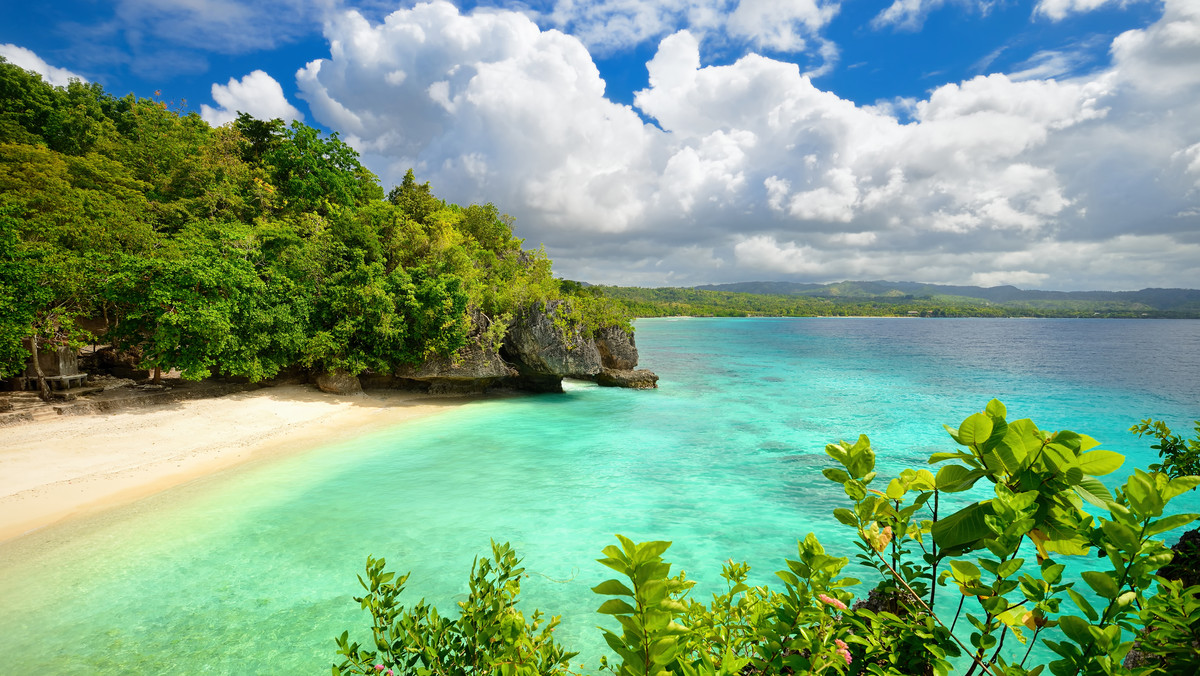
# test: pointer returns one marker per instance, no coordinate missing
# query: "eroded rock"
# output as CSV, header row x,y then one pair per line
x,y
617,348
339,382
640,379
544,353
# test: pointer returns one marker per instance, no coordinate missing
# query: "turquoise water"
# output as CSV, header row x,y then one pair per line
x,y
252,571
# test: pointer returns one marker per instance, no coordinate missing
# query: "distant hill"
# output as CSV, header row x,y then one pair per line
x,y
1167,300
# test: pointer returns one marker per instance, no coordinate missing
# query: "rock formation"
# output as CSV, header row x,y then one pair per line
x,y
544,352
338,382
475,367
640,379
617,348
537,353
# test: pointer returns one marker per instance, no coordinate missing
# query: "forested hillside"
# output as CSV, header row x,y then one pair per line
x,y
242,249
889,299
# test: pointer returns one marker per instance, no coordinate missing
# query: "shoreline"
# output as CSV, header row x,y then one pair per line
x,y
74,466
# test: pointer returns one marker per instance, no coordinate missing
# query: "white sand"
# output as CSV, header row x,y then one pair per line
x,y
76,465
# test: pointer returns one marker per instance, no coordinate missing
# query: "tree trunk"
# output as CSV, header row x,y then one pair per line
x,y
43,386
157,375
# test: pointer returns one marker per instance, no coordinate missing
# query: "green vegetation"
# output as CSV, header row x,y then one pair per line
x,y
243,249
877,299
956,584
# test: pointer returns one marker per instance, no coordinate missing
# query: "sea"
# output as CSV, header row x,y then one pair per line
x,y
253,570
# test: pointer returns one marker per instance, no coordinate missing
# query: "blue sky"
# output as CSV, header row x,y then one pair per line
x,y
1047,144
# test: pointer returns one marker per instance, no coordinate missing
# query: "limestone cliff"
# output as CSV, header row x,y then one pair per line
x,y
536,354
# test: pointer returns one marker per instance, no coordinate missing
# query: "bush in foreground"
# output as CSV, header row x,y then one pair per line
x,y
996,559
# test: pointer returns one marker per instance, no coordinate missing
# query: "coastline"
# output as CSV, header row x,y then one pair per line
x,y
73,466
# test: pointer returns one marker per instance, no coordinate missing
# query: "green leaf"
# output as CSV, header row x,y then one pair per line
x,y
964,527
1093,491
943,456
1008,568
1073,475
1099,463
836,475
1180,485
964,571
975,429
956,478
612,588
845,516
615,607
1121,535
1076,629
1083,604
1101,583
1170,523
996,409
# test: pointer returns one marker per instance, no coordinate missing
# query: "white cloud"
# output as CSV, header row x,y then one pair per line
x,y
906,14
750,168
25,58
1057,10
1047,64
257,94
605,26
780,26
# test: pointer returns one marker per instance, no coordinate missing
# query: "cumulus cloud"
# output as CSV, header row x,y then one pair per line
x,y
749,170
608,25
780,26
258,94
25,58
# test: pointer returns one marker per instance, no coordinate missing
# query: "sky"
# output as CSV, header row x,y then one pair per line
x,y
1051,144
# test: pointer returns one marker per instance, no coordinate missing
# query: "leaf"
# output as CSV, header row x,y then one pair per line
x,y
1180,485
612,588
1076,629
1099,463
1083,605
836,475
845,516
1101,583
1093,491
1170,523
964,571
615,607
995,408
975,429
1121,535
964,527
942,456
956,478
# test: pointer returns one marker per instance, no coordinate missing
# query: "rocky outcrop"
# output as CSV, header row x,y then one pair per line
x,y
476,367
617,348
641,379
536,354
544,352
339,382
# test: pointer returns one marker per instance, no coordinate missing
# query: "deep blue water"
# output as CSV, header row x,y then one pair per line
x,y
252,571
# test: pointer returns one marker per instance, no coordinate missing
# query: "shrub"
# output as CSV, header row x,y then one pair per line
x,y
998,559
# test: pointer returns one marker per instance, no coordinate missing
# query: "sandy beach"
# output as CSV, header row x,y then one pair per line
x,y
76,465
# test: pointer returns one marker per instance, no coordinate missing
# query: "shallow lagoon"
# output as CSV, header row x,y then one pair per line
x,y
252,571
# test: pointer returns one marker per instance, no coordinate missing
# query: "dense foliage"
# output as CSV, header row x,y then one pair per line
x,y
243,249
957,581
843,300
